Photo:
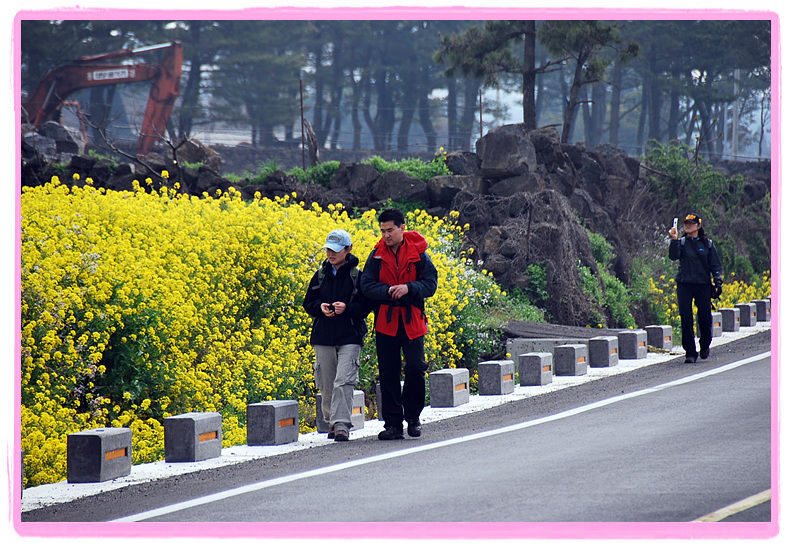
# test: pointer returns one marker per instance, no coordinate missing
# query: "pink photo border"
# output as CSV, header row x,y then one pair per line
x,y
437,530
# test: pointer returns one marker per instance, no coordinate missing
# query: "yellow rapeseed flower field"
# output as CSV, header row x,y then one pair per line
x,y
139,305
663,299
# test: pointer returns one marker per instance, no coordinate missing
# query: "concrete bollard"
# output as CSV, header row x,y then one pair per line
x,y
449,387
97,455
358,410
748,313
192,437
716,324
571,359
496,377
604,352
633,344
357,413
659,336
730,319
537,369
763,310
272,423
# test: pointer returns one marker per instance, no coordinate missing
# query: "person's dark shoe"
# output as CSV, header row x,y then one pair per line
x,y
331,434
704,353
341,434
691,359
391,432
415,428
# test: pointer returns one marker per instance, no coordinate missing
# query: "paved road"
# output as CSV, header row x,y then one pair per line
x,y
625,448
672,455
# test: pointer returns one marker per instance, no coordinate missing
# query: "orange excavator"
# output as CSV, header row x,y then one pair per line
x,y
46,101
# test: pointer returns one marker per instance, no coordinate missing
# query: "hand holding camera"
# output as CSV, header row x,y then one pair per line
x,y
336,308
673,232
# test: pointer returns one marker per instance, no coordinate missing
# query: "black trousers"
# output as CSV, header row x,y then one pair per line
x,y
399,404
700,295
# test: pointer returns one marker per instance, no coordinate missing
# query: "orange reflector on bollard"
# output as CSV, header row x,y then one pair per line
x,y
716,324
613,351
508,377
546,368
117,453
286,422
356,411
207,436
641,343
580,359
667,338
460,387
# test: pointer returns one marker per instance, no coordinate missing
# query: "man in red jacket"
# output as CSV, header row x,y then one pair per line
x,y
398,277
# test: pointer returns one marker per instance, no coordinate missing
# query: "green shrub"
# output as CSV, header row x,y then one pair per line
x,y
414,167
320,174
537,286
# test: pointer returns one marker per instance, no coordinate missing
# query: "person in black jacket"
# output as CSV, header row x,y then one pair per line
x,y
339,310
698,262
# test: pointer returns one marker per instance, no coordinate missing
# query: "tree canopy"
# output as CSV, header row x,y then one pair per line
x,y
418,85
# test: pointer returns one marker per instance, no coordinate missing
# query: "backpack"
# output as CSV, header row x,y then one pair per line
x,y
354,279
683,242
376,263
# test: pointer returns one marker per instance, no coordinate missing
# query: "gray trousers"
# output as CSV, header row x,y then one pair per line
x,y
336,376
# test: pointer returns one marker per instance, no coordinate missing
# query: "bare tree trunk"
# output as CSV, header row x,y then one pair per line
x,y
427,123
528,79
614,111
453,138
407,115
573,101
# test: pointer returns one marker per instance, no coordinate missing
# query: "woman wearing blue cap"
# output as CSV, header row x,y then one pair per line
x,y
339,311
698,262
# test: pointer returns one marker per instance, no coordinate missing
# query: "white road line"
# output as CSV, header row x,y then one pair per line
x,y
737,507
414,450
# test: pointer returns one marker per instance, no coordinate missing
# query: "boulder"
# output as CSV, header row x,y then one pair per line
x,y
548,149
443,189
66,139
463,163
506,151
35,144
194,152
397,186
530,182
355,178
616,162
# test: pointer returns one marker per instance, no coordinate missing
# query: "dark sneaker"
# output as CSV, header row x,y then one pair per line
x,y
691,359
391,432
415,428
331,434
341,434
704,353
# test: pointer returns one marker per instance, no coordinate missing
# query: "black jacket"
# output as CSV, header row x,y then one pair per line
x,y
698,258
350,326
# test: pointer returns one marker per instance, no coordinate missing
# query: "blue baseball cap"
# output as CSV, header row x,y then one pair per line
x,y
337,240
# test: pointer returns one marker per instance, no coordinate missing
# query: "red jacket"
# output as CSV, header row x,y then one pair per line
x,y
397,270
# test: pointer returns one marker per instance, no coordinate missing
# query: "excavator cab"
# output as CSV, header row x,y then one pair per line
x,y
54,89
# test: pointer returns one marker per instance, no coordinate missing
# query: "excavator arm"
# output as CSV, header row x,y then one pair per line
x,y
46,100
